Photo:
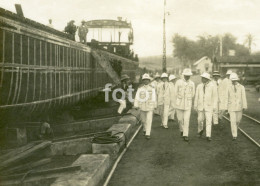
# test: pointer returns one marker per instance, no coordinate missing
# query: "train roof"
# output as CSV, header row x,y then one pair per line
x,y
13,16
108,23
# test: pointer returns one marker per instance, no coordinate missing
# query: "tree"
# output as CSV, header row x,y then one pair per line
x,y
189,51
249,41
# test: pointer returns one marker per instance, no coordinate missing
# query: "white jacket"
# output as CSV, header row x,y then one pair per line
x,y
223,87
236,100
184,91
145,98
163,93
172,95
207,101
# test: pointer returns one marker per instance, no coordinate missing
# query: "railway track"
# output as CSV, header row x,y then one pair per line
x,y
250,128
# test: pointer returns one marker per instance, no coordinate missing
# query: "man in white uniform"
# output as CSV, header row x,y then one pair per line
x,y
206,99
155,83
223,87
236,103
172,80
163,99
184,91
216,81
145,100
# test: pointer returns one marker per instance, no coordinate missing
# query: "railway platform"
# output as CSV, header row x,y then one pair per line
x,y
166,159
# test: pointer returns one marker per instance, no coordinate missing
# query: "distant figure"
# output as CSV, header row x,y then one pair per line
x,y
82,32
130,36
46,131
71,29
50,23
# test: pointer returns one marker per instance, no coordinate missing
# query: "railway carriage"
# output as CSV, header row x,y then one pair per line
x,y
42,68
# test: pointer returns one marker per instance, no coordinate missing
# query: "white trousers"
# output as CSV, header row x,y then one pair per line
x,y
147,119
215,117
235,118
184,121
164,113
172,113
202,115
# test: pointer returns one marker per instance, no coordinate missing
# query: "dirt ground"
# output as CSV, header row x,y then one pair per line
x,y
166,159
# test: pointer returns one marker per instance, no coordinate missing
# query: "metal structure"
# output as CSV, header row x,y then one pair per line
x,y
42,68
164,41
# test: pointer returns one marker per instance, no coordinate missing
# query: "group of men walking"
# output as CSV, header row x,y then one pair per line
x,y
170,96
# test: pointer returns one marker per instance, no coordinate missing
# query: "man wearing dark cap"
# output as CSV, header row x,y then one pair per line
x,y
71,29
124,86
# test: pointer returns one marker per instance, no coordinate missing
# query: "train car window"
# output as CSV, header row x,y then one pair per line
x,y
8,47
1,45
17,48
37,55
31,51
53,53
25,43
43,53
69,57
61,56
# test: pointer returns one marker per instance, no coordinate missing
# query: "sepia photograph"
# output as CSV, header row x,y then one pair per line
x,y
129,92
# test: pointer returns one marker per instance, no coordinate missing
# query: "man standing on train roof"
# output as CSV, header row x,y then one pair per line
x,y
205,103
82,32
50,23
71,29
163,99
223,86
172,80
145,100
184,91
236,103
154,84
216,81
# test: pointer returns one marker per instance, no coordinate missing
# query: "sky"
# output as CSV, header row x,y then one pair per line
x,y
189,18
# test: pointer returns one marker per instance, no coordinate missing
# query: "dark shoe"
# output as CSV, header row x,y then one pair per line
x,y
234,138
144,133
209,138
201,132
147,137
165,126
186,138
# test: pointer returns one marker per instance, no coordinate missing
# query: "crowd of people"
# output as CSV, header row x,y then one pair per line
x,y
171,97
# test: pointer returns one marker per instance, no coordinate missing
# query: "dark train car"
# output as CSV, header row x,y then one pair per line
x,y
247,67
42,68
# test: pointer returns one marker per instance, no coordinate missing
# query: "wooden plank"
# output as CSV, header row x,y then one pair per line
x,y
105,64
28,166
42,172
17,151
25,154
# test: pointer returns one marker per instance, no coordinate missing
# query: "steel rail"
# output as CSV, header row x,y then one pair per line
x,y
251,118
243,132
120,157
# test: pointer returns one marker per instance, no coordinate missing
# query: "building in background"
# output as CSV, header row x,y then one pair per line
x,y
202,65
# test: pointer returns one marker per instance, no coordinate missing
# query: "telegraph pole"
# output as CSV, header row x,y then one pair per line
x,y
164,41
